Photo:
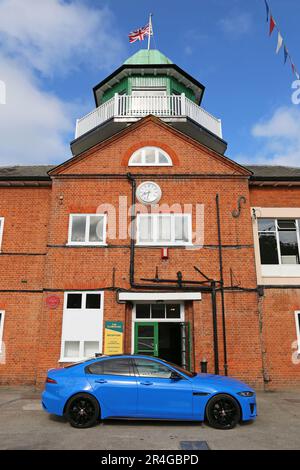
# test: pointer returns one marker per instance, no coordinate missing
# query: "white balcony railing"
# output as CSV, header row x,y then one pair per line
x,y
136,107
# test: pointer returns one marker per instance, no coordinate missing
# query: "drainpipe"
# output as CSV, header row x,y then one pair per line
x,y
131,179
215,326
134,285
222,286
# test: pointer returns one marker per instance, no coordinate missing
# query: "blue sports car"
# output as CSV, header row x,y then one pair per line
x,y
143,387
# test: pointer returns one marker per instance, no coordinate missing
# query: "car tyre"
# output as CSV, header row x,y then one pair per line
x,y
223,412
82,411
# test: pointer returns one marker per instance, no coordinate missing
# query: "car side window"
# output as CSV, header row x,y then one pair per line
x,y
111,367
148,368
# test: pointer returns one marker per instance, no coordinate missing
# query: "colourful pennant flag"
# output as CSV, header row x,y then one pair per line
x,y
272,25
286,54
268,10
279,42
293,67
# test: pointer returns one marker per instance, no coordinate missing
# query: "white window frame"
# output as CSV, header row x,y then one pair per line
x,y
143,161
297,319
1,231
276,232
160,320
81,341
87,229
155,230
2,313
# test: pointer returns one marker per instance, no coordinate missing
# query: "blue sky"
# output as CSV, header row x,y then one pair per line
x,y
52,53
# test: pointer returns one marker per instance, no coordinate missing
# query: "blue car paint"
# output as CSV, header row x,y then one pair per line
x,y
121,396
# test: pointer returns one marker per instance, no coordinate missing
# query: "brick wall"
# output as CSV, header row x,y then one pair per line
x,y
33,331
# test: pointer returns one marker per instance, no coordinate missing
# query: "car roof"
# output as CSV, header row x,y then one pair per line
x,y
114,356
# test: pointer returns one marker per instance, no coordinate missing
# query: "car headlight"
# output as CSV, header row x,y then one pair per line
x,y
246,394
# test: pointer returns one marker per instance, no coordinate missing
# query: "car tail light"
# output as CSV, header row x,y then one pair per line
x,y
50,381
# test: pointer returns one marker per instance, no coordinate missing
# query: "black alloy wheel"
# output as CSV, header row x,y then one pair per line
x,y
223,412
82,411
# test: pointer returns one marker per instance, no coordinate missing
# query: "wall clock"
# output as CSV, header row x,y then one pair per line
x,y
148,192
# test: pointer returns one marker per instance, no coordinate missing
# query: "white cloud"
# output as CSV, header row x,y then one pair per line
x,y
33,123
54,36
280,139
39,39
236,24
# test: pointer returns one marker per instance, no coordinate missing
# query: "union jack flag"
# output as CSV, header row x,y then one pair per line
x,y
139,34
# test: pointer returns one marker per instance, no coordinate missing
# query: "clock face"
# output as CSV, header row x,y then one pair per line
x,y
148,192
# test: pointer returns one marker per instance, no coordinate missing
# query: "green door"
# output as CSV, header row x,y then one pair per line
x,y
146,338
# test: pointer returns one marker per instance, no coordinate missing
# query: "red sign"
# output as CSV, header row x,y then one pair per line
x,y
52,301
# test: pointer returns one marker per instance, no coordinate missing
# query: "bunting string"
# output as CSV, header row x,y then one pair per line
x,y
280,40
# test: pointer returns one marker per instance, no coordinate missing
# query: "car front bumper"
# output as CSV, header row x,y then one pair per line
x,y
249,407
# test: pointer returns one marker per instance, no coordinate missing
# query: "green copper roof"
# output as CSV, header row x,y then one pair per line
x,y
143,57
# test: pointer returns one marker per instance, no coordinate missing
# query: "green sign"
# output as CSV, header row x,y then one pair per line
x,y
113,337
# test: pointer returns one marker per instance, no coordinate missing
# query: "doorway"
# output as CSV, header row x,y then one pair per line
x,y
159,330
161,340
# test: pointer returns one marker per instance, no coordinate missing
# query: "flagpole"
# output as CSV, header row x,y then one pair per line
x,y
150,31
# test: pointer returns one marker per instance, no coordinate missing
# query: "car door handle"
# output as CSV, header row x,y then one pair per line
x,y
147,383
101,381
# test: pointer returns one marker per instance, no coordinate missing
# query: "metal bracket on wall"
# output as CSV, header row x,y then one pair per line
x,y
237,212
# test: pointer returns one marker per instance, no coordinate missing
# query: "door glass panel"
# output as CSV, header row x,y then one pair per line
x,y
146,344
153,369
146,331
146,337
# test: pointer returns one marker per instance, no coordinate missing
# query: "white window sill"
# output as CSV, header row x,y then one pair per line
x,y
164,245
150,164
74,359
280,270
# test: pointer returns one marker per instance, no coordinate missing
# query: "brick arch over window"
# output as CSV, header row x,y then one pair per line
x,y
130,151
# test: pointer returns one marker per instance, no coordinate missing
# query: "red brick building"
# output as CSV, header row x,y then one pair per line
x,y
150,226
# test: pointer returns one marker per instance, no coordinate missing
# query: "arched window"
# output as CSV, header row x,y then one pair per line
x,y
150,156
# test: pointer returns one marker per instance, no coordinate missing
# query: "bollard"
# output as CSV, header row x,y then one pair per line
x,y
203,366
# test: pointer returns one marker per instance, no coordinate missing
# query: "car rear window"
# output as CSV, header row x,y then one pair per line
x,y
110,367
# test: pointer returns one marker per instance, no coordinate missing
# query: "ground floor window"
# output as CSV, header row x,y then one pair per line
x,y
82,325
1,328
297,317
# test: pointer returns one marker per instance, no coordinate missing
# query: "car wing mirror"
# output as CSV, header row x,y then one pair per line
x,y
175,376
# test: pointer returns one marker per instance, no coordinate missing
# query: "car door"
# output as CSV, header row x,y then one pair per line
x,y
159,396
115,386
